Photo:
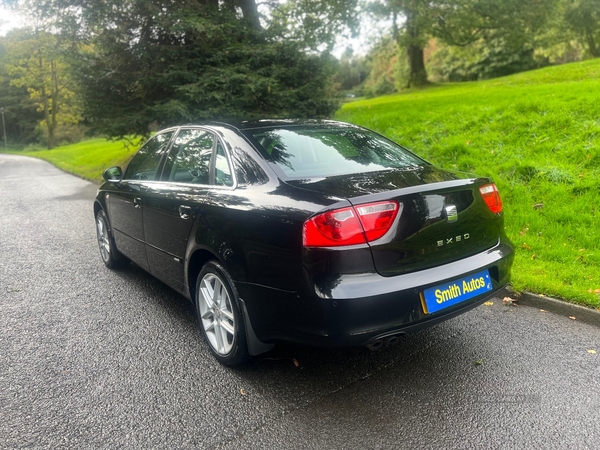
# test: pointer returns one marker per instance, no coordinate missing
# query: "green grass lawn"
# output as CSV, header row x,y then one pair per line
x,y
537,134
88,159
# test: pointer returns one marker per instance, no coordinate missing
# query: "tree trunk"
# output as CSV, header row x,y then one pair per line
x,y
416,61
250,11
48,119
46,106
54,105
592,44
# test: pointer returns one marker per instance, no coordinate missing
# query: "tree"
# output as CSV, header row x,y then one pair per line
x,y
352,70
583,19
21,115
142,64
489,58
459,23
315,25
387,69
34,62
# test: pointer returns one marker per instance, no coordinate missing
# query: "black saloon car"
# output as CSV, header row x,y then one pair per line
x,y
312,232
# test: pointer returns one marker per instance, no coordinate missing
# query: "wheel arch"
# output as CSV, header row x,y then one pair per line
x,y
196,261
98,207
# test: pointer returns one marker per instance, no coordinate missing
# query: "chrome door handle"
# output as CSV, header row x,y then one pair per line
x,y
185,212
137,202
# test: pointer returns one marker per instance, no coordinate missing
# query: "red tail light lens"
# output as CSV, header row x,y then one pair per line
x,y
377,218
333,228
491,197
350,226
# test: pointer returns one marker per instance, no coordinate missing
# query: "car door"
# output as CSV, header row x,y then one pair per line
x,y
172,205
125,204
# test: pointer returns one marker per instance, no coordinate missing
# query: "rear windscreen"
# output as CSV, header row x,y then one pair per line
x,y
316,152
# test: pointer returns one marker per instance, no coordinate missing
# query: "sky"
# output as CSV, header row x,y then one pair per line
x,y
8,20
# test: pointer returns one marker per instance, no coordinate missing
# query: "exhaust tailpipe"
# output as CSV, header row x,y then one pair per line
x,y
392,340
388,342
374,346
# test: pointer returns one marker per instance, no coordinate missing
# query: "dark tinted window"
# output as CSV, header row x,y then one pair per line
x,y
313,152
144,164
247,170
189,161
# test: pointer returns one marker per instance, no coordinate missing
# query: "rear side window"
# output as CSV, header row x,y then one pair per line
x,y
313,152
145,163
189,161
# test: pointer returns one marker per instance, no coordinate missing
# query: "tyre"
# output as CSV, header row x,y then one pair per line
x,y
219,315
111,257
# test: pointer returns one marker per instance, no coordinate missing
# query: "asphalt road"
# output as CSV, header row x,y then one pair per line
x,y
91,358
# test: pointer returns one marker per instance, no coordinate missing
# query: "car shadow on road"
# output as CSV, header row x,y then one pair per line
x,y
153,290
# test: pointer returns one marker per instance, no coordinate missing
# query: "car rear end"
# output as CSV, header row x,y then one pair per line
x,y
439,252
410,246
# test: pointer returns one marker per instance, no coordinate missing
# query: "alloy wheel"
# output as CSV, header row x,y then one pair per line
x,y
103,238
216,313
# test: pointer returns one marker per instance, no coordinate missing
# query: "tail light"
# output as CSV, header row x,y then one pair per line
x,y
350,226
491,197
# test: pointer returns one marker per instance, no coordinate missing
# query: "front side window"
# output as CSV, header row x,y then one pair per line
x,y
307,152
190,158
145,163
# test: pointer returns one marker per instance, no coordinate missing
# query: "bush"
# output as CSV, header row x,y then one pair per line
x,y
64,134
482,60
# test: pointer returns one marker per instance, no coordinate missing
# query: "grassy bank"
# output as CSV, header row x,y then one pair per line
x,y
87,159
537,134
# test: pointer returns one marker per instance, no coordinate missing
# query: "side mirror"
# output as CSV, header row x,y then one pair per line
x,y
113,174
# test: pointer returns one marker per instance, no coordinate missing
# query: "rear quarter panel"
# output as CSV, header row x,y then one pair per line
x,y
256,232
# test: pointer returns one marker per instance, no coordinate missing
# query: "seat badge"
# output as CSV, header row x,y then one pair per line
x,y
451,213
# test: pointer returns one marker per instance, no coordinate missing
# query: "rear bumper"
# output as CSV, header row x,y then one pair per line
x,y
358,309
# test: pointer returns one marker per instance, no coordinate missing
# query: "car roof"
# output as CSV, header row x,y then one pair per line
x,y
270,123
